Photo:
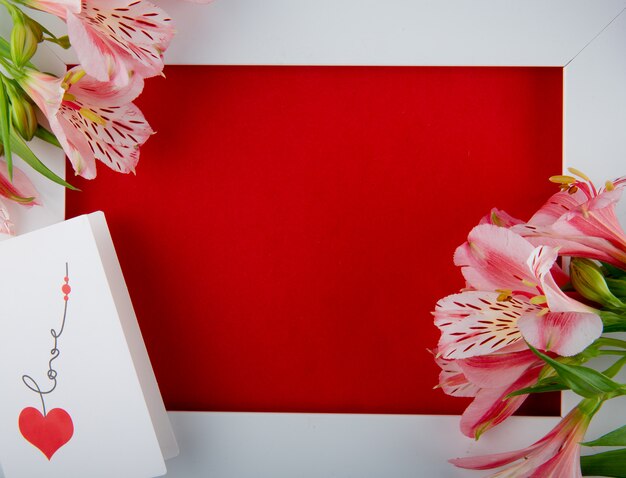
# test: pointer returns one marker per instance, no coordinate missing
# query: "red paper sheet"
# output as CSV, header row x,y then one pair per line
x,y
290,229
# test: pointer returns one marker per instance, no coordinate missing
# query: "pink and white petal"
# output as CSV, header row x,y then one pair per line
x,y
487,462
558,204
565,464
581,246
75,145
476,323
123,126
495,258
452,381
606,199
601,223
558,301
131,22
115,143
491,407
496,370
20,189
100,59
44,89
104,94
115,39
122,159
500,218
541,262
56,7
564,333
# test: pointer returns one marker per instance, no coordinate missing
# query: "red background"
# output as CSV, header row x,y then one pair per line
x,y
290,228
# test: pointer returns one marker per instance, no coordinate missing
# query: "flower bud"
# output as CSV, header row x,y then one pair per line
x,y
24,119
23,116
588,280
25,37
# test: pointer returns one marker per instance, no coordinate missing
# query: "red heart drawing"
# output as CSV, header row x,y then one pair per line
x,y
48,433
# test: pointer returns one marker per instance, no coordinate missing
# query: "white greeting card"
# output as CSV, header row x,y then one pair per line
x,y
79,397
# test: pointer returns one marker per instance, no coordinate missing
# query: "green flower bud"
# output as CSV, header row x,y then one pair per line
x,y
24,118
35,28
587,279
25,37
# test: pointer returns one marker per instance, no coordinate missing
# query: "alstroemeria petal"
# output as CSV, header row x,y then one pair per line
x,y
541,262
115,39
500,218
496,370
491,407
564,333
95,122
495,258
18,190
44,89
56,7
103,94
476,323
558,204
576,245
486,462
452,380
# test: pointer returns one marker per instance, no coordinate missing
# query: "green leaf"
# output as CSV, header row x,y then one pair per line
x,y
614,438
584,381
614,369
543,386
5,127
23,151
610,463
47,136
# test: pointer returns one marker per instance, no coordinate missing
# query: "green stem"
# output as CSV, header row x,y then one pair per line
x,y
612,342
612,352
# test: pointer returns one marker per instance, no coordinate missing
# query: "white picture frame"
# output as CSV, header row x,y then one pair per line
x,y
585,37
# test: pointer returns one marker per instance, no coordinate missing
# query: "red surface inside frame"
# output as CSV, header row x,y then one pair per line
x,y
290,228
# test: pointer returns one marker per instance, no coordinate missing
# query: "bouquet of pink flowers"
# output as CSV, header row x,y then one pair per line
x,y
542,299
88,110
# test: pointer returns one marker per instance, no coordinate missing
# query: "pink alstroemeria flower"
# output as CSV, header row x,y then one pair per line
x,y
91,120
114,39
557,455
580,220
489,379
97,121
514,296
